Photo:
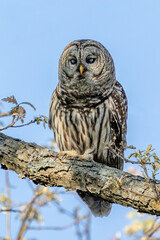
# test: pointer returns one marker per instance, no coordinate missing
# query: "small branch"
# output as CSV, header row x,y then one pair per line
x,y
8,213
25,124
10,210
5,114
151,231
11,124
77,220
24,225
49,168
36,120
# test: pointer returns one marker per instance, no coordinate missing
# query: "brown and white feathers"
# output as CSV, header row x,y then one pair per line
x,y
88,110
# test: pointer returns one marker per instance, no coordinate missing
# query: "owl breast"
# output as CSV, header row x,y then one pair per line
x,y
85,130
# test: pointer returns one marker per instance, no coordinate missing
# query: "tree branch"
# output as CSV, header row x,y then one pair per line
x,y
50,168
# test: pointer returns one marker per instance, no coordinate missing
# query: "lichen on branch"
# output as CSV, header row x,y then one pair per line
x,y
50,168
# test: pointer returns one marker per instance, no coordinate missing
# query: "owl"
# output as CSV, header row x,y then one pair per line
x,y
88,110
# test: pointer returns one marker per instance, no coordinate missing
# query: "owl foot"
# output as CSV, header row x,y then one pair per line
x,y
88,154
70,153
85,156
74,154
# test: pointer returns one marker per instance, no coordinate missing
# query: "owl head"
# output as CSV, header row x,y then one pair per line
x,y
86,72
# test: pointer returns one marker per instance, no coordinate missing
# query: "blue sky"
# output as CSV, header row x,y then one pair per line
x,y
33,34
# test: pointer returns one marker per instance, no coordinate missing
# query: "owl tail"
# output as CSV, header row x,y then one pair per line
x,y
98,206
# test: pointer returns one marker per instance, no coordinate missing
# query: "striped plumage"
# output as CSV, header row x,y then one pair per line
x,y
88,110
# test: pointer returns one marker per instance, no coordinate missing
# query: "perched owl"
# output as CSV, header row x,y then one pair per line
x,y
88,110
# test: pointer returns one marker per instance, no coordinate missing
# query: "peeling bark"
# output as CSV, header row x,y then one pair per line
x,y
50,168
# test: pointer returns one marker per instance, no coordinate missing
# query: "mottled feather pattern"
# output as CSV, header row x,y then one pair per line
x,y
88,110
75,128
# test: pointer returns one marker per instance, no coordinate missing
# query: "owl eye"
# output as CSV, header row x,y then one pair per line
x,y
90,60
73,61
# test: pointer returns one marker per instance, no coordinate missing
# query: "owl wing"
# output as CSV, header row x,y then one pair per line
x,y
52,108
119,112
118,125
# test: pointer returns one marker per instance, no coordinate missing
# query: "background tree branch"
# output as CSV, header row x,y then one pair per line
x,y
50,168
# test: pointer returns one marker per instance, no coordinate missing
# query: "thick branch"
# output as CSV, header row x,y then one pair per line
x,y
49,168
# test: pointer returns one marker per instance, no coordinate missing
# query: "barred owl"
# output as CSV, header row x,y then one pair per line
x,y
88,110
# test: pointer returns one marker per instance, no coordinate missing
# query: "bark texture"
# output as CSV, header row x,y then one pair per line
x,y
50,168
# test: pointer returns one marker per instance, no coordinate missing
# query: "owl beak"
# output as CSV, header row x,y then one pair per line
x,y
81,69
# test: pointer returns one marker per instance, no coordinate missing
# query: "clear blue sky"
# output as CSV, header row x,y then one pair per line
x,y
33,34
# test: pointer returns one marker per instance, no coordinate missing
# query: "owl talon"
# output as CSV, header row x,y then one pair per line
x,y
68,154
84,157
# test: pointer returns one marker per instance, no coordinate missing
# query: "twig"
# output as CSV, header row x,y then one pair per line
x,y
5,114
57,228
63,210
87,227
28,209
25,124
11,124
78,229
8,196
22,125
119,154
10,210
151,231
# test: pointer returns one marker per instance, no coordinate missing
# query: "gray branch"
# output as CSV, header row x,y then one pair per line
x,y
50,168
